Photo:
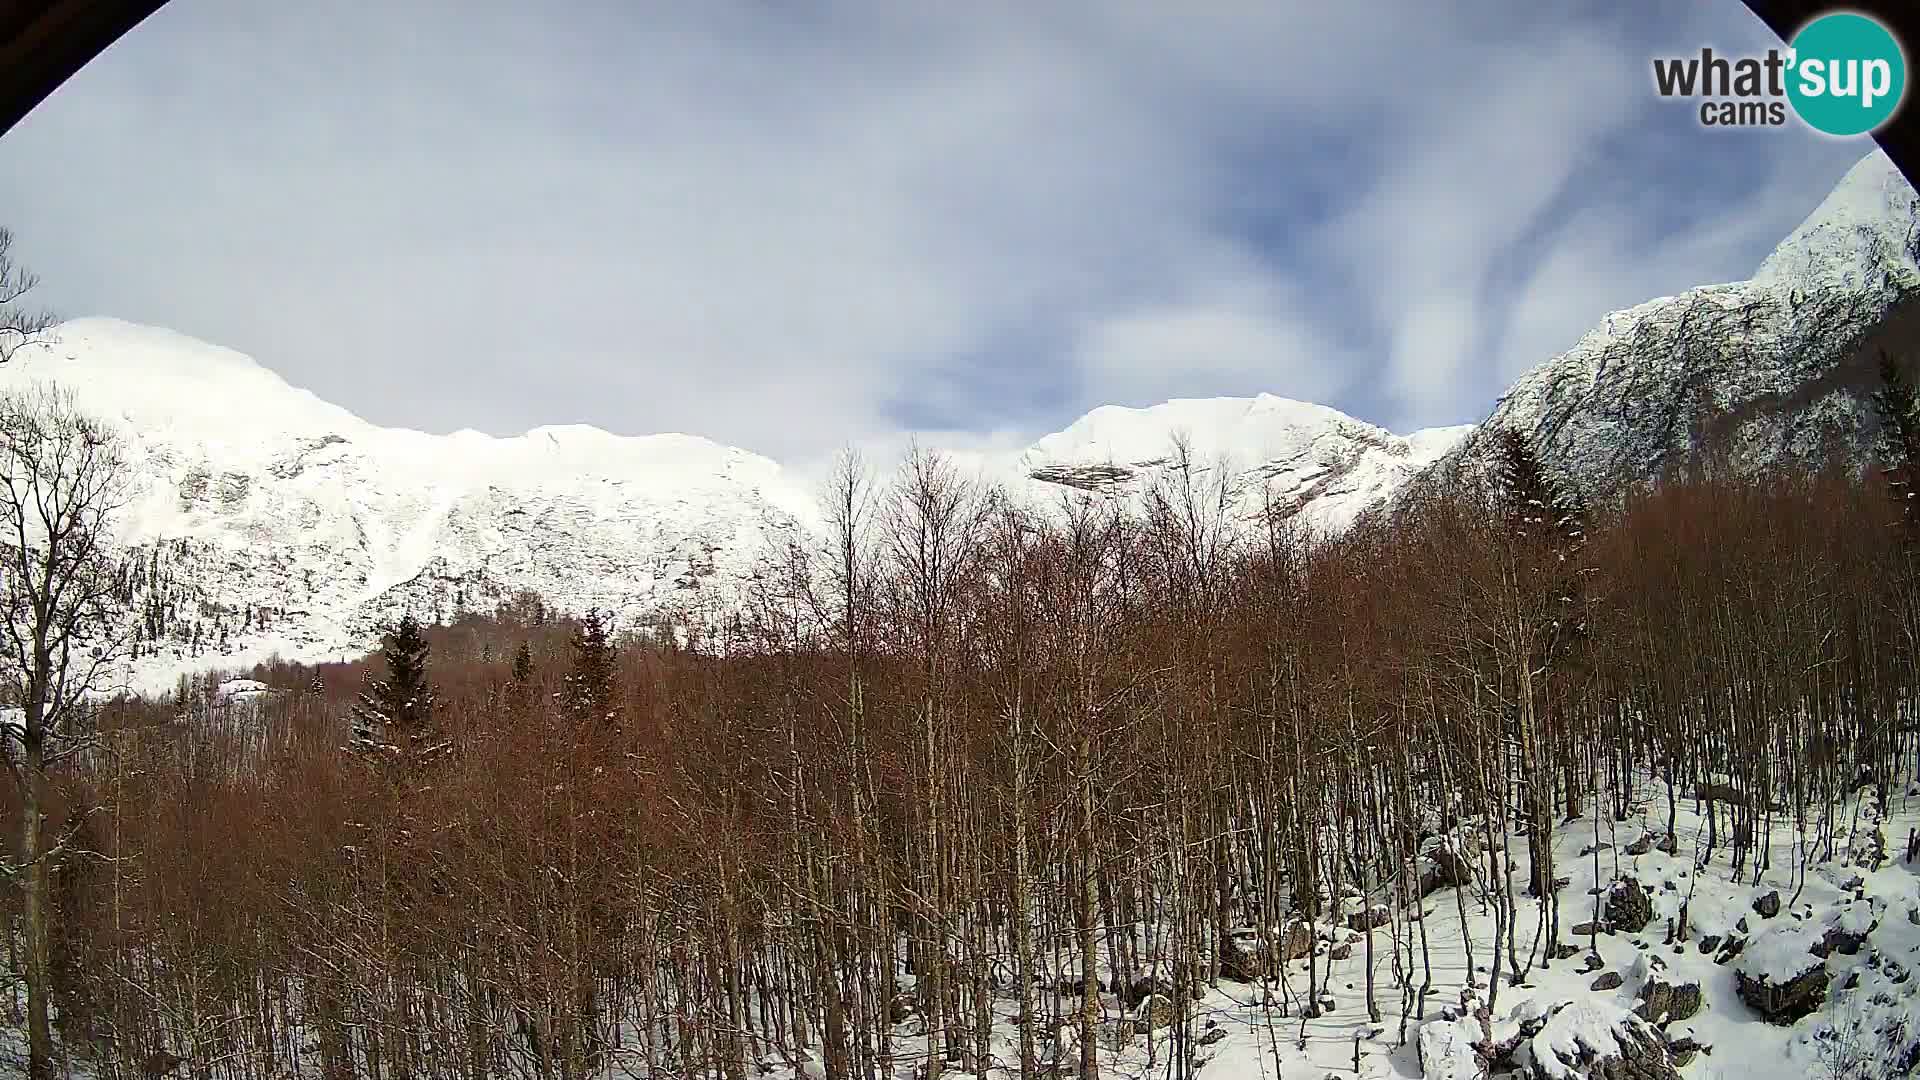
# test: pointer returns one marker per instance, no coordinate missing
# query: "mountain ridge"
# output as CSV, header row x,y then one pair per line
x,y
290,525
1773,368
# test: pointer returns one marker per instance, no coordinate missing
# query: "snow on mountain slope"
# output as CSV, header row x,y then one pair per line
x,y
268,520
1778,367
265,520
1318,463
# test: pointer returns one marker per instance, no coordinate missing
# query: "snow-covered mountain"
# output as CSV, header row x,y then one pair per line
x,y
1316,463
269,520
266,520
1776,367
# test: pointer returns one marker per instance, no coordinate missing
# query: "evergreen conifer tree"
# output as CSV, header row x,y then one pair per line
x,y
520,681
395,715
590,684
1899,407
1548,518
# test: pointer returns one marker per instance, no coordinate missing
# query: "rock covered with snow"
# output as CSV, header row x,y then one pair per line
x,y
1779,975
1629,907
1664,1000
241,690
1844,929
1451,1050
1594,1038
1447,861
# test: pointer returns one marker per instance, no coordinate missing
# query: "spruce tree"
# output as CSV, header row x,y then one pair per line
x,y
1547,516
520,681
1546,520
1899,407
1898,404
590,684
1537,505
394,715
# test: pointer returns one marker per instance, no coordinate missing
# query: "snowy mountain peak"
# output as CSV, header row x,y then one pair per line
x,y
1312,461
1778,367
264,519
158,380
1866,226
1244,432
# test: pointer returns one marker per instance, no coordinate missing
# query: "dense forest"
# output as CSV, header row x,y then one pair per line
x,y
971,760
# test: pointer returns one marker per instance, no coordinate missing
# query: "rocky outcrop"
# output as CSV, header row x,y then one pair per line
x,y
1784,1001
1663,1001
1629,908
1373,918
1778,975
1446,862
1156,1012
1245,957
1596,1040
1684,1049
1844,930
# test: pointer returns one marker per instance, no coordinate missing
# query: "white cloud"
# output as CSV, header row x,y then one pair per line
x,y
774,224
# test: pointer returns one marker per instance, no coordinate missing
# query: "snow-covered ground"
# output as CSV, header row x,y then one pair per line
x,y
1252,1032
1663,996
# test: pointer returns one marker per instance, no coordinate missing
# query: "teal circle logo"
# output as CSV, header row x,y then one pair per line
x,y
1847,74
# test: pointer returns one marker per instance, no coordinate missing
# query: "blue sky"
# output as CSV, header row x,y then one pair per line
x,y
790,224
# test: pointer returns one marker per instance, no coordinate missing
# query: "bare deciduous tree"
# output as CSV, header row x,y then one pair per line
x,y
60,484
19,324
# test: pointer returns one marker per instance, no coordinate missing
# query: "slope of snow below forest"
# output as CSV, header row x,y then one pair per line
x,y
1254,1032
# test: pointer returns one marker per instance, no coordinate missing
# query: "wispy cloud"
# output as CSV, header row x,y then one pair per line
x,y
791,226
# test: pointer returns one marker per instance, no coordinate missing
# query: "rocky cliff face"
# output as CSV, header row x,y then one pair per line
x,y
1778,367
